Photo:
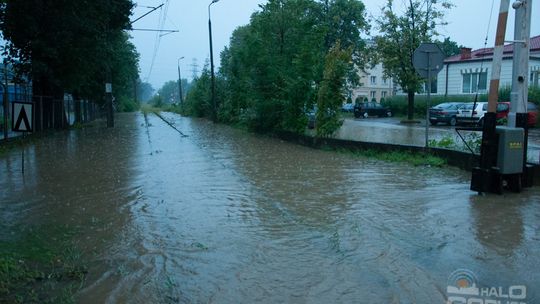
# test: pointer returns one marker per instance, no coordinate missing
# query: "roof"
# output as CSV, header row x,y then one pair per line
x,y
487,53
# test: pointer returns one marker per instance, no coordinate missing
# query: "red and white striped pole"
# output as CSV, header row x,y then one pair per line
x,y
484,177
498,56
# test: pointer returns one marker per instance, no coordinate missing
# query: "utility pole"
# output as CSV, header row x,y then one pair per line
x,y
109,100
520,75
520,68
214,106
180,94
6,102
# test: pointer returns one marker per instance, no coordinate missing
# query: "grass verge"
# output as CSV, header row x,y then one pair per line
x,y
415,159
40,265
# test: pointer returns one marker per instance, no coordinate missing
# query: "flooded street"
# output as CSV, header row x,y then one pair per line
x,y
222,216
391,131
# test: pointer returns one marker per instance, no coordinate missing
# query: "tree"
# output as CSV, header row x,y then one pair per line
x,y
449,47
66,45
274,67
401,35
169,92
145,91
331,92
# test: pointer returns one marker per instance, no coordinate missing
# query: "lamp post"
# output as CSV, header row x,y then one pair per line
x,y
214,109
180,83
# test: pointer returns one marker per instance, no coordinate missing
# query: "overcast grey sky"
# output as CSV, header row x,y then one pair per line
x,y
468,25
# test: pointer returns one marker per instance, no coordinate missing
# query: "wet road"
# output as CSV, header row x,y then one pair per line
x,y
222,216
390,130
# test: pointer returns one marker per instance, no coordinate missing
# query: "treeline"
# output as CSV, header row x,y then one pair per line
x,y
292,56
71,46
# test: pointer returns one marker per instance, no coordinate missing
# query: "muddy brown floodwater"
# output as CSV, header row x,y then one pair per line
x,y
222,216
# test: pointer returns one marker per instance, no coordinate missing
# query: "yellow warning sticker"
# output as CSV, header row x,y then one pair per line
x,y
515,145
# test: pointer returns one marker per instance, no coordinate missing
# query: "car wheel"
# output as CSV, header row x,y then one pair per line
x,y
453,121
366,115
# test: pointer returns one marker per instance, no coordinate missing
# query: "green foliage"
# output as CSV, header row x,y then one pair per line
x,y
331,92
127,105
400,35
66,46
534,95
157,101
471,140
272,72
198,100
145,91
449,47
41,265
415,159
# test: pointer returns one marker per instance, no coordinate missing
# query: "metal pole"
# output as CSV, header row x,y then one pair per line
x,y
181,95
428,97
520,73
108,97
214,107
22,163
6,102
518,116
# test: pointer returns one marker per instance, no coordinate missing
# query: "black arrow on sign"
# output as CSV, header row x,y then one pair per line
x,y
22,118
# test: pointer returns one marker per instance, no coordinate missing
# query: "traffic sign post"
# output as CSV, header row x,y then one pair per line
x,y
22,120
428,61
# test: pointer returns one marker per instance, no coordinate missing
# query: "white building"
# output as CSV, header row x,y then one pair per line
x,y
470,71
373,85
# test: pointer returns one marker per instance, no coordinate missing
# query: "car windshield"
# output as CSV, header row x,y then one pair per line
x,y
501,107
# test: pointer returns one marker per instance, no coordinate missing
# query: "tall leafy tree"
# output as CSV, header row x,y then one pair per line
x,y
66,45
401,34
274,68
330,95
449,47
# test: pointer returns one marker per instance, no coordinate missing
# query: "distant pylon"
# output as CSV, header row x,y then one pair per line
x,y
194,68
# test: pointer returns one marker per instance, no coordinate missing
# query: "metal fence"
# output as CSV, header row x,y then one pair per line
x,y
49,113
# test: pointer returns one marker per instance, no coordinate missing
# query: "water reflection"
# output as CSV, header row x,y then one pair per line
x,y
223,216
498,223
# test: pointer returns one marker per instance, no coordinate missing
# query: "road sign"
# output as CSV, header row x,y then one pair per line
x,y
428,60
22,117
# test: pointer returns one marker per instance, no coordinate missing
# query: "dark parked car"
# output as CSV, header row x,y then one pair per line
x,y
366,109
445,113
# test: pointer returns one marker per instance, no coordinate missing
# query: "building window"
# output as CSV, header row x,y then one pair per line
x,y
372,95
385,81
383,94
433,86
534,79
373,79
474,82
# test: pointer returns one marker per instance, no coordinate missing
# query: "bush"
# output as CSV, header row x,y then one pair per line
x,y
127,105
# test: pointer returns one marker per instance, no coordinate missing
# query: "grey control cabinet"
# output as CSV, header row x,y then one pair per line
x,y
511,145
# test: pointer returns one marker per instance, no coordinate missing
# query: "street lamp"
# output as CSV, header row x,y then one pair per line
x,y
214,110
180,83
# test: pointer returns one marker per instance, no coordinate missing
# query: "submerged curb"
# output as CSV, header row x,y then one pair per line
x,y
459,159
